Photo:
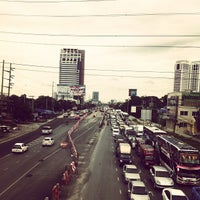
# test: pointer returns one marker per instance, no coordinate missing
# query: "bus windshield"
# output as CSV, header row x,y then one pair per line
x,y
189,173
189,158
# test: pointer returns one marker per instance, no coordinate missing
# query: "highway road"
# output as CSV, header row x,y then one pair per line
x,y
105,180
31,175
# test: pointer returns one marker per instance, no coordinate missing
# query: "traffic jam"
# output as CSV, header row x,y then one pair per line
x,y
167,160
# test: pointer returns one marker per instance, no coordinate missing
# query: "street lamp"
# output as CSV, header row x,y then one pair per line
x,y
32,103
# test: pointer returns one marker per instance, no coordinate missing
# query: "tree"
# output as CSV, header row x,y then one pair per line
x,y
20,108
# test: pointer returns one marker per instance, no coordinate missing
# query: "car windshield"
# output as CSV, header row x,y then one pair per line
x,y
139,190
131,170
162,174
179,198
189,173
149,158
46,127
17,147
125,155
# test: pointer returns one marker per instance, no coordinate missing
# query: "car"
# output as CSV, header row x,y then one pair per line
x,y
65,115
19,148
119,138
47,130
130,173
115,132
160,177
196,193
137,191
77,117
47,141
173,194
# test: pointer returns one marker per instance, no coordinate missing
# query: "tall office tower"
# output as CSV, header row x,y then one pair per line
x,y
72,67
71,74
195,76
181,76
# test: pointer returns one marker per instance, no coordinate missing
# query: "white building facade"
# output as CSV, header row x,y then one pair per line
x,y
187,76
71,74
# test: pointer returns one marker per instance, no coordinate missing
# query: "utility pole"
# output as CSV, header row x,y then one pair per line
x,y
10,76
52,98
176,113
2,79
9,79
4,99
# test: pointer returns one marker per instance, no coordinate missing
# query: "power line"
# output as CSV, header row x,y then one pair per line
x,y
104,75
104,15
106,46
99,75
53,1
112,75
92,69
101,35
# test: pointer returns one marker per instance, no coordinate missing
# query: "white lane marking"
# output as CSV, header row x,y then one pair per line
x,y
34,166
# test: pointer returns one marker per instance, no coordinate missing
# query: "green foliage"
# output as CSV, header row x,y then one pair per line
x,y
20,109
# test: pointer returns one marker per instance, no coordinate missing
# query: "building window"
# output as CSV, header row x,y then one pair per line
x,y
194,114
177,66
182,124
185,113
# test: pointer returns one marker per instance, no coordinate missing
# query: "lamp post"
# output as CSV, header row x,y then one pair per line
x,y
32,103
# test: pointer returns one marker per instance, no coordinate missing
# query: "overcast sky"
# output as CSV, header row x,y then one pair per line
x,y
128,44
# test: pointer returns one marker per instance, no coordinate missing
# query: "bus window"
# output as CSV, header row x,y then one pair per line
x,y
189,158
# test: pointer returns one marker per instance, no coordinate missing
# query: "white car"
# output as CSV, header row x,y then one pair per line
x,y
173,194
47,130
47,141
160,177
130,173
19,148
115,132
137,191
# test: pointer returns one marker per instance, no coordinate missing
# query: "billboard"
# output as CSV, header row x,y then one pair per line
x,y
71,91
132,92
78,90
146,114
133,109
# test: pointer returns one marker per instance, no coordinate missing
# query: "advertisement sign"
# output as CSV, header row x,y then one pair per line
x,y
132,92
146,114
133,109
71,91
78,90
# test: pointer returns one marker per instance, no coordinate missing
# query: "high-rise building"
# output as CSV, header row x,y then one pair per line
x,y
195,76
71,74
182,76
95,96
71,67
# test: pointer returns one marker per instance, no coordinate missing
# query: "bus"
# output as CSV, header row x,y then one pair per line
x,y
181,159
147,154
151,133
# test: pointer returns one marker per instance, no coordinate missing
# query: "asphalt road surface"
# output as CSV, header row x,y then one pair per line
x,y
32,175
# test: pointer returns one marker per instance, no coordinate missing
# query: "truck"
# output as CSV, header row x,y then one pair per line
x,y
124,153
147,154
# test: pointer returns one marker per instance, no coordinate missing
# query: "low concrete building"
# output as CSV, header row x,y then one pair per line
x,y
182,108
